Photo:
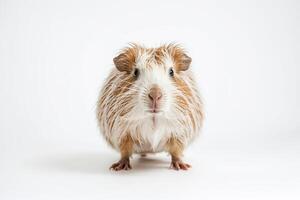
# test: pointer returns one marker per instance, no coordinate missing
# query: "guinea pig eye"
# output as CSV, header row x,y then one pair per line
x,y
136,72
171,72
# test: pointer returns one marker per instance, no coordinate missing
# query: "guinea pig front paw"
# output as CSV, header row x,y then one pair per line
x,y
123,164
178,164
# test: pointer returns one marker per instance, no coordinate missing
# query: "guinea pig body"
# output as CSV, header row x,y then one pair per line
x,y
150,103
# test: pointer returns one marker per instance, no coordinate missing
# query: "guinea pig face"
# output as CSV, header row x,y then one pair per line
x,y
155,81
154,74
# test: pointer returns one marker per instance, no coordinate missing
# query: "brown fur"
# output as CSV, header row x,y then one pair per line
x,y
126,60
126,146
175,148
181,60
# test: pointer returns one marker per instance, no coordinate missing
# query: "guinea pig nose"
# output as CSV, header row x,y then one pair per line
x,y
155,93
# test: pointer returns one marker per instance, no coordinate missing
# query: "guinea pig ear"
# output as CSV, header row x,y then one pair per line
x,y
181,60
184,62
126,60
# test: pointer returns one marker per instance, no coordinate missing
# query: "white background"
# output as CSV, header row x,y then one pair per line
x,y
54,56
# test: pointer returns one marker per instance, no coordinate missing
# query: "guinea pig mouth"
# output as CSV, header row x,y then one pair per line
x,y
154,111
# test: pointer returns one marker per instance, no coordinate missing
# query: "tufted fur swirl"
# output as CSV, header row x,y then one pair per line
x,y
123,101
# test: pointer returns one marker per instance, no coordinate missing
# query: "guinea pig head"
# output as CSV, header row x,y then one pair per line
x,y
152,79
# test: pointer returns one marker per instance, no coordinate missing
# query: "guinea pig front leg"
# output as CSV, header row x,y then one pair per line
x,y
175,148
125,147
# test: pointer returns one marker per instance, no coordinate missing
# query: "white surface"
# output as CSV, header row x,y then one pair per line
x,y
54,56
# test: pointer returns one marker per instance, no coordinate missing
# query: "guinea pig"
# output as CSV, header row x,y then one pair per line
x,y
150,103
